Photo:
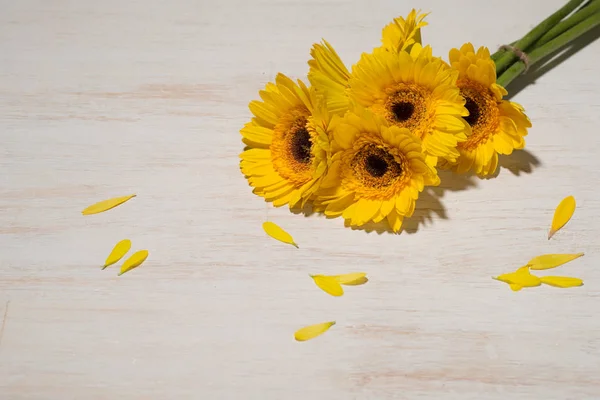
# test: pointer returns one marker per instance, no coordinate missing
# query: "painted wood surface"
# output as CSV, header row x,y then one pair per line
x,y
104,99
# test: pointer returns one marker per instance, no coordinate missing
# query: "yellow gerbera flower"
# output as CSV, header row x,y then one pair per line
x,y
376,172
497,126
288,141
328,74
402,33
415,91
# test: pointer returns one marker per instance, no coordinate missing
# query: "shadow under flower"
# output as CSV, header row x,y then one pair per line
x,y
451,182
541,69
429,207
520,161
307,210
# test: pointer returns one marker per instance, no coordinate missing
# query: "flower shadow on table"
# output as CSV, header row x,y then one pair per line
x,y
429,206
541,69
520,161
307,211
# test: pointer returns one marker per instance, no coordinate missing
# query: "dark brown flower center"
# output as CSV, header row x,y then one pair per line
x,y
402,110
474,111
300,145
406,106
376,165
291,147
484,112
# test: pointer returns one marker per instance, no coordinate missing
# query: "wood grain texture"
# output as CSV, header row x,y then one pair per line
x,y
103,99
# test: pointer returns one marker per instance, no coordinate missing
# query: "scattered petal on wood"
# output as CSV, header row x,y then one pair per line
x,y
561,281
134,261
548,261
106,205
515,287
357,282
352,279
117,252
312,331
562,214
275,231
328,284
508,278
519,279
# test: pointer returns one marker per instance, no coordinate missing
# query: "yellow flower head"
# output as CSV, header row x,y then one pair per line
x,y
288,143
376,172
415,91
330,77
402,33
497,126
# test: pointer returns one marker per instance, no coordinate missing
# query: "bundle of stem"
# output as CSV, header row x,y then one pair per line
x,y
554,33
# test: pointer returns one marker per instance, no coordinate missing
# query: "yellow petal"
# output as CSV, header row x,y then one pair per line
x,y
117,252
562,214
515,287
312,331
548,261
134,261
328,284
502,278
273,230
352,279
358,282
521,277
508,278
106,205
561,281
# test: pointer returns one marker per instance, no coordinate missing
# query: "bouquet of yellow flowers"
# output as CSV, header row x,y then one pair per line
x,y
363,143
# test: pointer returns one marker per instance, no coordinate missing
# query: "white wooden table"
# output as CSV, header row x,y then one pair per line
x,y
105,98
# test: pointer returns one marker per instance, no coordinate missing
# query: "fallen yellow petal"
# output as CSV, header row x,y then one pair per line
x,y
312,331
561,281
106,205
134,261
117,252
275,231
520,278
510,277
548,261
328,284
562,214
352,279
357,282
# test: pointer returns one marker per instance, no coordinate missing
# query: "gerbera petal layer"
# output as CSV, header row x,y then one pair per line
x,y
377,172
415,91
497,126
402,33
329,76
288,141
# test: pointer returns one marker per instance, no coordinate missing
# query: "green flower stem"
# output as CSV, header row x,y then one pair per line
x,y
587,10
509,57
501,52
550,47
